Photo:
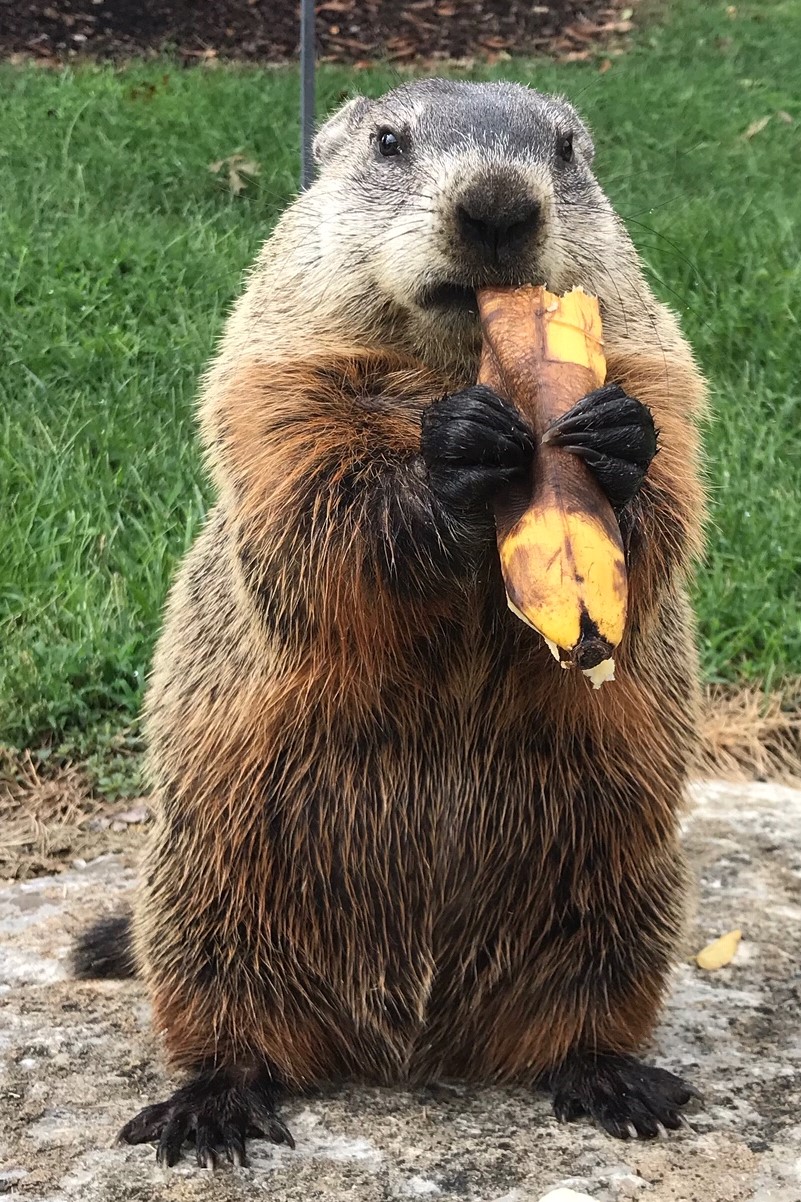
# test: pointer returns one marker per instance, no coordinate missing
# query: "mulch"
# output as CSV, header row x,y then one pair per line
x,y
358,32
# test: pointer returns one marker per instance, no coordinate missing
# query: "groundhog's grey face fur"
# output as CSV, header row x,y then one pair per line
x,y
444,186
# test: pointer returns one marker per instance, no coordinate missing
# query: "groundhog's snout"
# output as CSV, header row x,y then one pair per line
x,y
497,218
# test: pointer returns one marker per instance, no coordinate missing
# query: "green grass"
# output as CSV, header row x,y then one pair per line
x,y
120,253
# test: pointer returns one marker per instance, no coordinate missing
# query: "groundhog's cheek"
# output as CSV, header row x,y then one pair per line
x,y
559,268
408,261
329,231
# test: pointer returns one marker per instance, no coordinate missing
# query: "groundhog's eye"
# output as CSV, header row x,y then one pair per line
x,y
388,143
565,147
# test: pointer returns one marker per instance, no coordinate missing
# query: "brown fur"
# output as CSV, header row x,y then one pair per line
x,y
394,839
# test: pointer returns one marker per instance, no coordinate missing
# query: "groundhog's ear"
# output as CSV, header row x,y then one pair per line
x,y
332,135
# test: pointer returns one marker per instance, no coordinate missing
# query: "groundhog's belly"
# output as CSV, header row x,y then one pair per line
x,y
454,884
401,887
420,899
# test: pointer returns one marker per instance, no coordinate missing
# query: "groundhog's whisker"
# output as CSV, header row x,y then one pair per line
x,y
677,250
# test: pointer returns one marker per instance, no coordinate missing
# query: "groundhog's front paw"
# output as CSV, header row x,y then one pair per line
x,y
215,1115
473,444
615,436
627,1098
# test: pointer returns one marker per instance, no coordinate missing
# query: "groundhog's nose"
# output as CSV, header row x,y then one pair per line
x,y
494,224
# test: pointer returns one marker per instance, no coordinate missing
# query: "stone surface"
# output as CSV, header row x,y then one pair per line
x,y
565,1195
79,1059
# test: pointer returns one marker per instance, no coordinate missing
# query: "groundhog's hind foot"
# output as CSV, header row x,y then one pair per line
x,y
627,1098
216,1112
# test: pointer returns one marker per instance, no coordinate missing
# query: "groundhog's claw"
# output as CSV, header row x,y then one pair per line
x,y
213,1112
615,436
630,1100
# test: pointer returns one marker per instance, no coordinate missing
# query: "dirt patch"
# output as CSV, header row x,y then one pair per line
x,y
350,31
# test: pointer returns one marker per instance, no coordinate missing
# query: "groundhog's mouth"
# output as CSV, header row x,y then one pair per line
x,y
449,296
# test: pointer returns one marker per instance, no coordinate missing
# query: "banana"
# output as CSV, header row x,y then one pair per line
x,y
559,542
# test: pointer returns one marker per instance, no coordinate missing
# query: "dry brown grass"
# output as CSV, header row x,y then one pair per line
x,y
752,735
48,818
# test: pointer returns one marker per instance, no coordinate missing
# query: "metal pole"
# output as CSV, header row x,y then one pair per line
x,y
306,92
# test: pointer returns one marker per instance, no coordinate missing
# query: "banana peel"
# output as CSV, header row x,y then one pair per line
x,y
719,952
559,541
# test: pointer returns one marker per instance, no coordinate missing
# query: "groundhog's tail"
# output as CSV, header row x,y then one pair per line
x,y
105,950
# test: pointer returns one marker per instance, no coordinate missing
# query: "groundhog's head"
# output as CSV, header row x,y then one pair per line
x,y
439,187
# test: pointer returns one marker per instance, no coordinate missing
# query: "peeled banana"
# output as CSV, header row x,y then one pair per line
x,y
559,542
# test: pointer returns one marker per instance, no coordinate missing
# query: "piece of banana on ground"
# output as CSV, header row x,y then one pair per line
x,y
558,538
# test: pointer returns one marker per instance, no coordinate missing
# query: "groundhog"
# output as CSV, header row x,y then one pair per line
x,y
394,841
